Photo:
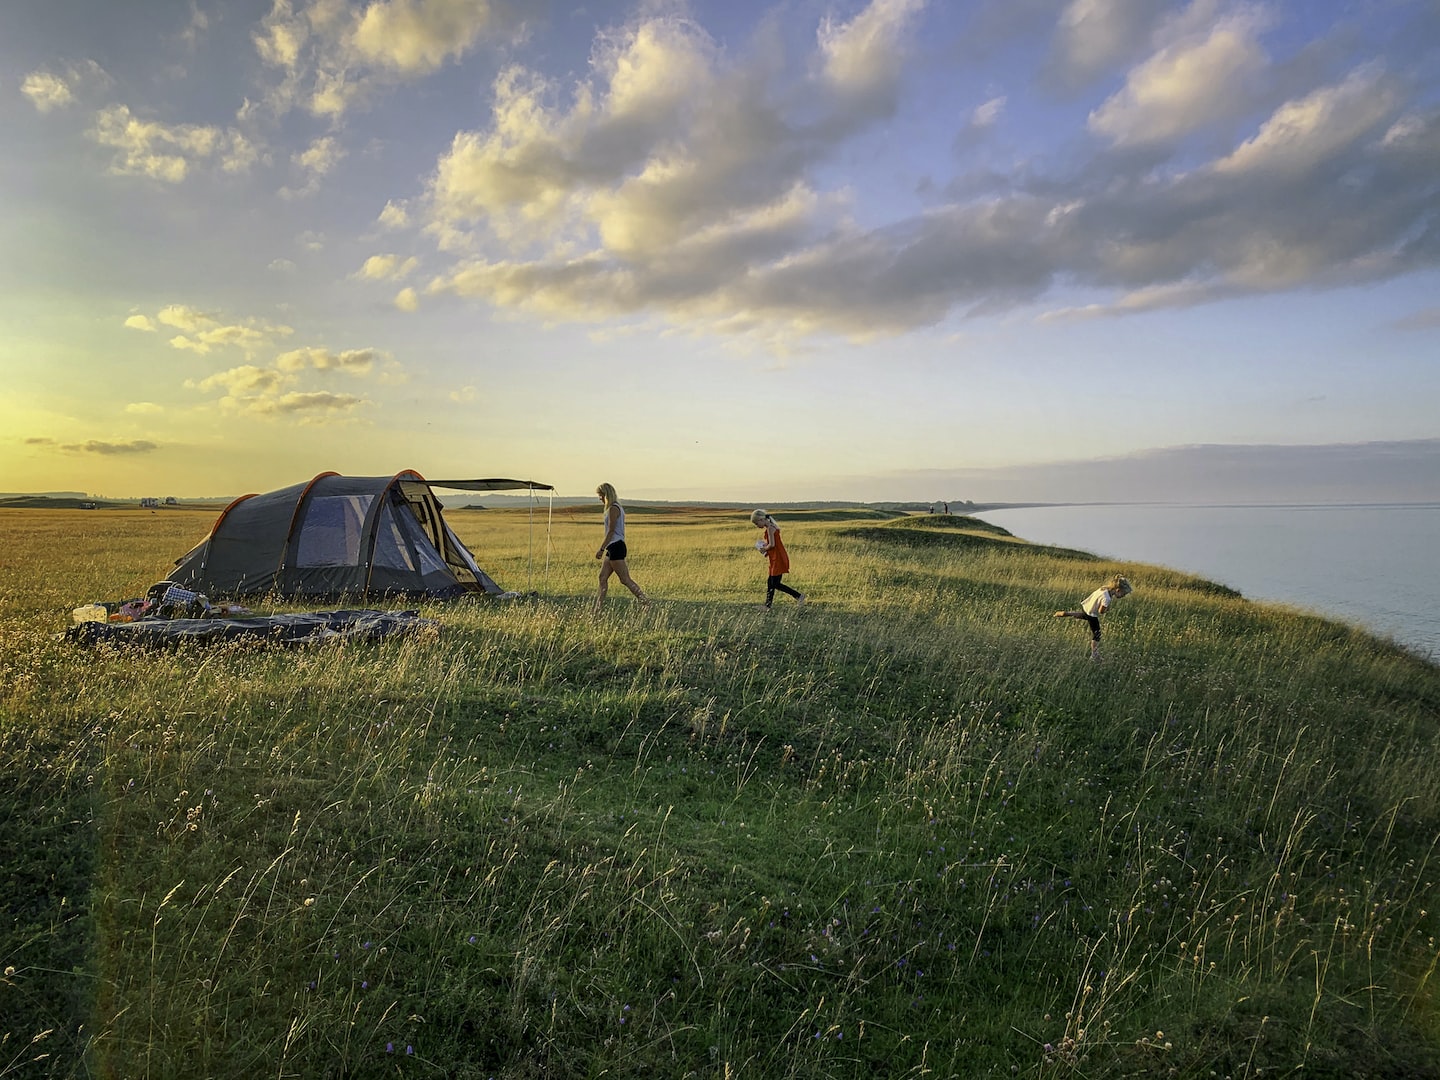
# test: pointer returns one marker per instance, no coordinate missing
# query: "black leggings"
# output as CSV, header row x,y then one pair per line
x,y
772,583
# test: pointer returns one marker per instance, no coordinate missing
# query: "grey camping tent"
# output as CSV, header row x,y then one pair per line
x,y
341,536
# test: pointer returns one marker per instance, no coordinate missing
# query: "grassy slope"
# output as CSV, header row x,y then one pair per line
x,y
909,831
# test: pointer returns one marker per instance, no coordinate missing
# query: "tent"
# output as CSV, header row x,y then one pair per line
x,y
341,536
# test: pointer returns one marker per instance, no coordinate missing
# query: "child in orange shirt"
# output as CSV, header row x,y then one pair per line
x,y
773,548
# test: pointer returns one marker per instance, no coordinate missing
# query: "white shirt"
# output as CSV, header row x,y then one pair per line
x,y
619,533
1096,602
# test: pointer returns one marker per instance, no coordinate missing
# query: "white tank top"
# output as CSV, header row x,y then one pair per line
x,y
619,523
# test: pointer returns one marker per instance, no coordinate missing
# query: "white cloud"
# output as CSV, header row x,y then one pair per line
x,y
203,331
244,381
1303,133
144,408
670,140
988,114
387,267
317,405
351,361
331,55
464,395
415,37
407,299
321,156
140,322
1092,37
685,182
863,57
1184,86
317,161
167,152
182,317
49,91
394,216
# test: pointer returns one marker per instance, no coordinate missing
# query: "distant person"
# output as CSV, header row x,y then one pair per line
x,y
1097,604
612,549
773,548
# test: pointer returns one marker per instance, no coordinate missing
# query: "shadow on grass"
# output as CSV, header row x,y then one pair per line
x,y
48,858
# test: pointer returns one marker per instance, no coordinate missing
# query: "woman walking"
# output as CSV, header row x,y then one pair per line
x,y
773,548
612,549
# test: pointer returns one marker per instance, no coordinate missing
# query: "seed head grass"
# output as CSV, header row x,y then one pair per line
x,y
909,830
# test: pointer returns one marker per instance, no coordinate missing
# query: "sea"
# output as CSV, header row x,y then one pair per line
x,y
1373,566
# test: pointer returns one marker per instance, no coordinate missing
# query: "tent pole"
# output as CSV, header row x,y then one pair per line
x,y
530,570
549,522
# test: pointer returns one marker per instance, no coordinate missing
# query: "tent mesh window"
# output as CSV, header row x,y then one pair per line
x,y
332,530
392,548
421,544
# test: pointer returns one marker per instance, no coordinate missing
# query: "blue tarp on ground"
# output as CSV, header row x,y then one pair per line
x,y
300,629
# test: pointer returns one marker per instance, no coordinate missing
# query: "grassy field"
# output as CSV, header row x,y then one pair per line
x,y
909,831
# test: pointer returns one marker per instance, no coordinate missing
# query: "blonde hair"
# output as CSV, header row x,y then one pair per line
x,y
607,492
760,517
1119,585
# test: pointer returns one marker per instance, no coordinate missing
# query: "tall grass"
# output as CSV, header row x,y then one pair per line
x,y
908,831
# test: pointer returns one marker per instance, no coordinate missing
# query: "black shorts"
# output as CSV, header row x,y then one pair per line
x,y
1094,622
615,552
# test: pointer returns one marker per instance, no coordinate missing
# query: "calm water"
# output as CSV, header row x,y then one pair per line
x,y
1372,566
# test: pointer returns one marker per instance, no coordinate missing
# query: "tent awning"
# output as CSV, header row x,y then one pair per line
x,y
490,485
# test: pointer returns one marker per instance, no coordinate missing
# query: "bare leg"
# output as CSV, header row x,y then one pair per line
x,y
623,573
605,571
617,567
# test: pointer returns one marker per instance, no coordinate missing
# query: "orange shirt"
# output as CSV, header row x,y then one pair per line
x,y
779,557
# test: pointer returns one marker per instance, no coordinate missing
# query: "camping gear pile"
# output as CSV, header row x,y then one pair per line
x,y
164,600
305,628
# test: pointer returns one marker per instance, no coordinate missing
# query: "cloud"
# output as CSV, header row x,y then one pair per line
x,y
331,56
49,91
1185,86
415,37
168,152
988,113
144,408
100,447
1093,37
248,338
319,404
204,331
386,267
182,317
245,381
1305,134
672,172
317,161
464,396
394,216
862,59
687,181
351,361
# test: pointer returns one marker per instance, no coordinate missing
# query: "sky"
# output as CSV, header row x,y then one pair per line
x,y
996,250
